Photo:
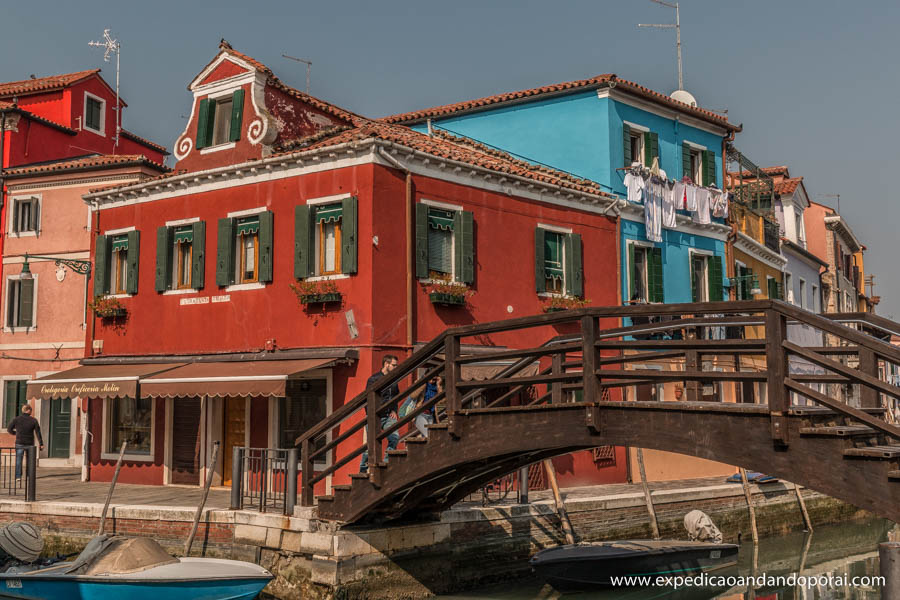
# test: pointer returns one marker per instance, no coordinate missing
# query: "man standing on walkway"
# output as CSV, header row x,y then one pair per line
x,y
24,427
388,364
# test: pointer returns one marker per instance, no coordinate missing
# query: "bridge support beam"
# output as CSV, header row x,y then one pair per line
x,y
868,364
590,366
777,363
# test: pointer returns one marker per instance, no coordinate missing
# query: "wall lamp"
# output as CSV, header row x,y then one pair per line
x,y
82,267
751,280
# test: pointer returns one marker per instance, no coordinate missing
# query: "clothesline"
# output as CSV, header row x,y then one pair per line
x,y
662,198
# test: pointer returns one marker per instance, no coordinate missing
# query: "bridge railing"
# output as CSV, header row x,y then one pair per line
x,y
596,361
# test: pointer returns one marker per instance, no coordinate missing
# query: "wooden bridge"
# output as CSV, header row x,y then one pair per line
x,y
825,426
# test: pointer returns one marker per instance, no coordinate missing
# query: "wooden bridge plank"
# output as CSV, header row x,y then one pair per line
x,y
502,355
854,374
841,407
654,375
705,346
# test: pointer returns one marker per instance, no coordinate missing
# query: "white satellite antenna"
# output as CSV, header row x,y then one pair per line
x,y
110,45
677,27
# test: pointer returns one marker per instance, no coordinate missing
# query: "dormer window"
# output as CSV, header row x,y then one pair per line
x,y
219,119
94,114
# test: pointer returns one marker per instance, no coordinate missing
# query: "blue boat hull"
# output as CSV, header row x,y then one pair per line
x,y
58,588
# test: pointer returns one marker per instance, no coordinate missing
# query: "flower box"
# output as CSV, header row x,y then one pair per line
x,y
553,309
325,298
447,299
106,307
113,313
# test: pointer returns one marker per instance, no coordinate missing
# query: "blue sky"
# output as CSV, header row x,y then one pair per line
x,y
814,83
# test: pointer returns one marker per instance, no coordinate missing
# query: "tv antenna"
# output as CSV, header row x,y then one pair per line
x,y
677,27
837,197
308,64
110,45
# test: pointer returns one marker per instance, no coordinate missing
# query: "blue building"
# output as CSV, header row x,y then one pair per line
x,y
593,128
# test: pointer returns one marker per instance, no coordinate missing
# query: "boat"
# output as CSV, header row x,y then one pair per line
x,y
131,568
585,566
752,477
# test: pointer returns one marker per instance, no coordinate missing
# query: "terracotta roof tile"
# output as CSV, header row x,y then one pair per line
x,y
223,45
787,187
94,161
136,138
608,79
43,84
781,170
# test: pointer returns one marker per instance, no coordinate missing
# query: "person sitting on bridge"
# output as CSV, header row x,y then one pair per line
x,y
426,417
388,364
24,427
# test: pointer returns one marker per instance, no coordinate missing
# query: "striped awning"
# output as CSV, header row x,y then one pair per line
x,y
248,225
440,219
120,243
95,381
184,234
328,213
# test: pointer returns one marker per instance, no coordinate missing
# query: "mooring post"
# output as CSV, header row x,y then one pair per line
x,y
654,525
889,559
523,485
31,473
749,498
806,518
237,478
306,474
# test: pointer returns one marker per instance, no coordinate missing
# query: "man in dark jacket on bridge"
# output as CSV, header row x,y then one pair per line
x,y
388,364
24,427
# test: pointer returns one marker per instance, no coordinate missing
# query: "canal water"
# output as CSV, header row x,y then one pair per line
x,y
838,562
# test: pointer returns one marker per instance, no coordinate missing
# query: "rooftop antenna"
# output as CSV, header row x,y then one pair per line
x,y
308,64
677,27
836,196
110,45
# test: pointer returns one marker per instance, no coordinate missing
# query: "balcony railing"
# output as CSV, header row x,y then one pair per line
x,y
264,479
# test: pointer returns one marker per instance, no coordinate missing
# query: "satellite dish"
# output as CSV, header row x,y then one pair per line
x,y
684,96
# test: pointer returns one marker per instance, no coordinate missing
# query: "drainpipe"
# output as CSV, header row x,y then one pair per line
x,y
3,114
410,247
732,235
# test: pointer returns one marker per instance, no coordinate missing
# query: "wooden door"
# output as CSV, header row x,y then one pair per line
x,y
234,435
60,427
186,441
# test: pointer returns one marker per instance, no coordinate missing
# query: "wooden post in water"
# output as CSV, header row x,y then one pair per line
x,y
209,478
564,521
749,497
112,486
647,499
806,519
889,564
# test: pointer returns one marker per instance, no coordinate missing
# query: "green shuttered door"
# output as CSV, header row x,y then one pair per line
x,y
101,266
655,275
237,111
304,252
540,283
225,252
574,272
421,240
714,273
133,257
266,235
198,251
464,243
164,244
349,251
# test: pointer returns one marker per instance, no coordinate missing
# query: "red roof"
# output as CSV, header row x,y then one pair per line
x,y
609,79
83,163
43,84
786,187
781,170
136,138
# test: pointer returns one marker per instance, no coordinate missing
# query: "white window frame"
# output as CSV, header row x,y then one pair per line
x,y
563,231
640,129
802,292
644,246
442,206
214,99
3,380
7,328
699,149
816,301
768,277
787,286
38,198
84,124
706,256
106,455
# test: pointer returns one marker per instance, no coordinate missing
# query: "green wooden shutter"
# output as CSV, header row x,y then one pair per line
x,y
266,235
133,258
101,266
26,303
655,275
421,240
574,276
349,226
225,252
303,248
714,273
164,237
237,111
709,167
10,400
203,128
651,147
632,272
626,145
686,160
694,296
464,246
198,255
540,279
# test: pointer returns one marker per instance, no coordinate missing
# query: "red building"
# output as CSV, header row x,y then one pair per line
x,y
276,196
51,128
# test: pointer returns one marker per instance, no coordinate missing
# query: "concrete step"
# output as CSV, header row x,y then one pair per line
x,y
839,431
874,452
416,440
438,426
397,452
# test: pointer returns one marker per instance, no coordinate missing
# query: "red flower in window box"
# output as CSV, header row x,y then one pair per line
x,y
560,303
316,292
107,307
448,294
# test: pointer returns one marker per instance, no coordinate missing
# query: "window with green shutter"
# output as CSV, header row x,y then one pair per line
x,y
244,249
558,262
14,398
699,278
709,167
554,272
655,275
219,119
715,271
101,265
774,289
20,302
117,260
445,244
179,256
651,147
325,238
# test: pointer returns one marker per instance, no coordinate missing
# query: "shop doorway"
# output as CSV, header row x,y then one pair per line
x,y
60,427
235,427
186,441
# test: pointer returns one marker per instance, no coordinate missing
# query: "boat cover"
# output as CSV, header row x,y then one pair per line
x,y
111,555
22,541
591,551
700,527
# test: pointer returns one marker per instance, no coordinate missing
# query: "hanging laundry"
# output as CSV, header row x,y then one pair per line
x,y
653,209
669,204
678,194
719,203
690,195
701,214
634,182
